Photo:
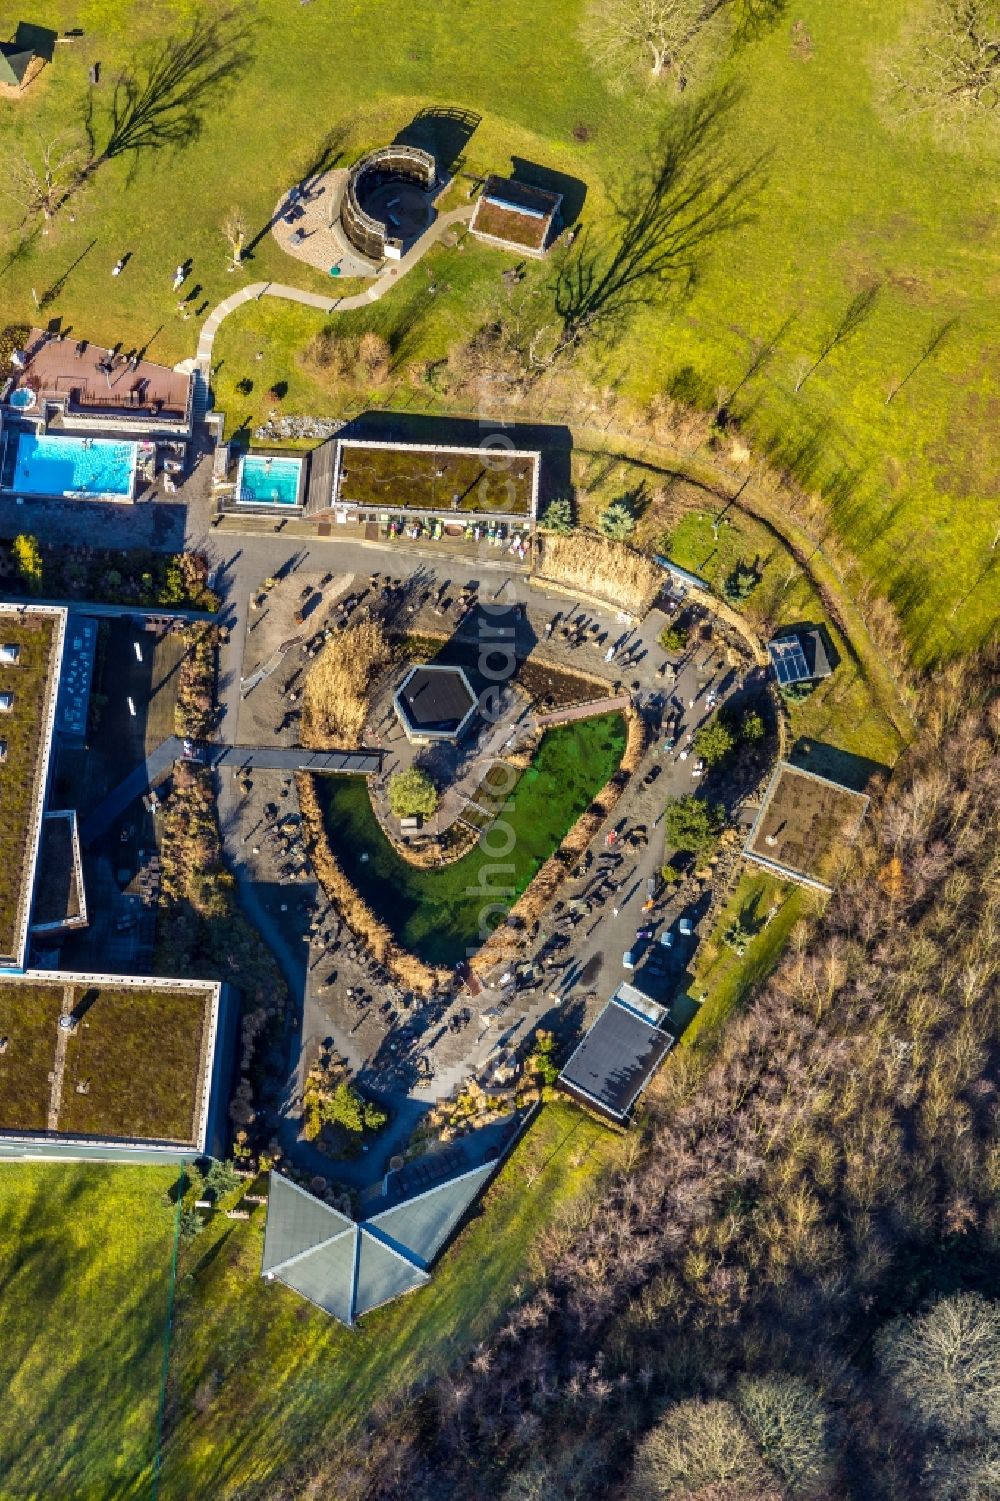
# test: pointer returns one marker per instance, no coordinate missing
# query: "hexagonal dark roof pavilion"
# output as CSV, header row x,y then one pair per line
x,y
435,703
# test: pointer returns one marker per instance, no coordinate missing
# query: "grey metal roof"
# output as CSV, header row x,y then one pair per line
x,y
637,1000
326,1275
296,1222
347,1269
422,1224
383,1274
616,1059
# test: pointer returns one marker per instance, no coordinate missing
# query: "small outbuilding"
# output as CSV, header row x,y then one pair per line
x,y
619,1055
24,57
435,703
516,215
799,657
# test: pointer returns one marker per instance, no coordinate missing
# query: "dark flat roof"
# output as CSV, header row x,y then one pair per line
x,y
436,698
616,1060
520,195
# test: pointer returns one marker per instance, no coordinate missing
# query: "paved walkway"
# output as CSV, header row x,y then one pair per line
x,y
384,282
582,711
155,767
238,757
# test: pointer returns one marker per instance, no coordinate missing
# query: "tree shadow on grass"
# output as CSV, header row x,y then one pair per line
x,y
690,193
326,156
82,1423
754,18
162,102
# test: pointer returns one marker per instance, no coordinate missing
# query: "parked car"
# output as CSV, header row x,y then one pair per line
x,y
684,927
630,958
698,769
667,938
651,776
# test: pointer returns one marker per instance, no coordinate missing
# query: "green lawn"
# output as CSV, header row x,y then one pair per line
x,y
724,978
85,1261
259,1377
841,201
439,914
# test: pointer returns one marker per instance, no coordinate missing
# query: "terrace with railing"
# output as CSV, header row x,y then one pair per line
x,y
90,386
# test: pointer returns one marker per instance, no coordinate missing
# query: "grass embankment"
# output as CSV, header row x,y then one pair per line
x,y
256,1372
85,1259
720,977
858,708
438,914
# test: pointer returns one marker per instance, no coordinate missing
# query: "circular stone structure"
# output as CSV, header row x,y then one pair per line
x,y
435,703
387,200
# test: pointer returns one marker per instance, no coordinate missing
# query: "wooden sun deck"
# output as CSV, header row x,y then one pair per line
x,y
76,373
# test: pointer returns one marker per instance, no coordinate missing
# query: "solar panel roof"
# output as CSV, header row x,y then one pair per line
x,y
789,660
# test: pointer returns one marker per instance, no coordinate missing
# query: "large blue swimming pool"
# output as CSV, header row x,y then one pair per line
x,y
267,481
64,465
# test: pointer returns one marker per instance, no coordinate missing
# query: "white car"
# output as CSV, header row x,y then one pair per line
x,y
683,755
684,927
697,768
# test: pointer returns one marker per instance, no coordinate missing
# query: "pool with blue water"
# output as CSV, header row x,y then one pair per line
x,y
46,464
265,480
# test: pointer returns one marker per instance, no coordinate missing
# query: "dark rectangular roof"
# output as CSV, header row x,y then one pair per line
x,y
616,1060
520,196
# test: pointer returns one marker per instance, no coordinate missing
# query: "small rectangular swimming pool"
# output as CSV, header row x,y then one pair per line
x,y
265,480
78,468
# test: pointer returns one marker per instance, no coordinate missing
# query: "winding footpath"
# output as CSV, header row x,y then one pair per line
x,y
387,278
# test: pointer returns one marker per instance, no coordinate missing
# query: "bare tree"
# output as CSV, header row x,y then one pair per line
x,y
672,38
234,232
696,1445
41,177
951,68
943,1369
